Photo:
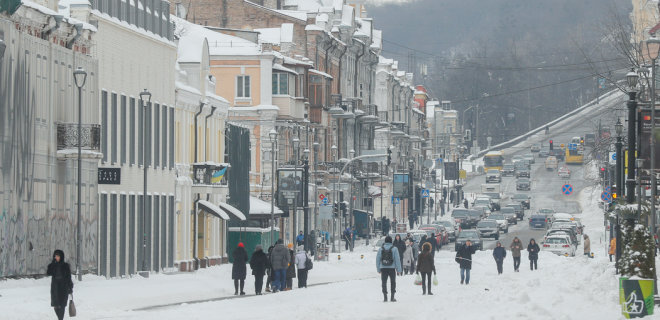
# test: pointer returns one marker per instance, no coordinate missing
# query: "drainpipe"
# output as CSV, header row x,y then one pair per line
x,y
58,20
78,27
205,137
394,85
341,56
201,107
195,258
331,46
371,78
357,62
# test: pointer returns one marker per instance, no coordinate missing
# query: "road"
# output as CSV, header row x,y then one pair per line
x,y
546,191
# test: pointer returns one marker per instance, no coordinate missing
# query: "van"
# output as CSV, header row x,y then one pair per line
x,y
551,163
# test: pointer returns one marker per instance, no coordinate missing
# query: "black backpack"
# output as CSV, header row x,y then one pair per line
x,y
308,264
386,256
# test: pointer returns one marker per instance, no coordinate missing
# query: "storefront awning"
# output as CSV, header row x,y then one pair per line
x,y
212,209
233,212
259,207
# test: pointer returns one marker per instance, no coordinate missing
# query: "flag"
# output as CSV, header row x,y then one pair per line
x,y
217,176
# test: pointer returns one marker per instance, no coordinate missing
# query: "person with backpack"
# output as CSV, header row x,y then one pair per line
x,y
533,249
499,253
464,259
388,265
516,247
303,263
425,265
408,259
258,264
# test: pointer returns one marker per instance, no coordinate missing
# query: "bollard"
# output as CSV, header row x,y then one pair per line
x,y
339,257
361,256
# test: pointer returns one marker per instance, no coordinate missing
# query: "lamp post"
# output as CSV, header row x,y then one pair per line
x,y
618,127
80,75
653,47
336,198
350,223
273,143
296,145
305,196
316,146
631,78
145,99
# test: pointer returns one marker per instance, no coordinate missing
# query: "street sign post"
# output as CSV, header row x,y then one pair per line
x,y
567,189
395,200
425,193
606,197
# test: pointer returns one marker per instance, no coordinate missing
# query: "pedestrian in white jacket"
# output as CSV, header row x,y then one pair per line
x,y
301,258
409,259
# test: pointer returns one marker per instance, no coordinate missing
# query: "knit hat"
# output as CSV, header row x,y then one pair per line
x,y
290,245
240,245
258,248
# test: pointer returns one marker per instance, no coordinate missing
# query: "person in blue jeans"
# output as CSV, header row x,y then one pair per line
x,y
279,261
388,264
464,259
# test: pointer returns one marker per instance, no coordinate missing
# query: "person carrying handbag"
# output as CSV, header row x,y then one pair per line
x,y
302,259
425,265
61,284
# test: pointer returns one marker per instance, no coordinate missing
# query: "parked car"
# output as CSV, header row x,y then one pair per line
x,y
520,211
469,234
439,231
524,199
510,215
560,245
501,221
486,211
564,173
450,227
538,221
493,175
488,228
378,244
523,184
544,152
551,163
523,173
529,157
575,240
535,148
508,170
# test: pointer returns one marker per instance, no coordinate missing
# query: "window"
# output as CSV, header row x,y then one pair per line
x,y
243,87
280,83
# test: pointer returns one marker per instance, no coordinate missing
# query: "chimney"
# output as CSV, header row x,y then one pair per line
x,y
80,10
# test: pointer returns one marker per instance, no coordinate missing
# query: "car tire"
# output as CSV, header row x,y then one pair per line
x,y
516,223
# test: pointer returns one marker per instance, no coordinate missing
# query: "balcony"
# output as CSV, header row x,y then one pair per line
x,y
210,173
290,107
67,136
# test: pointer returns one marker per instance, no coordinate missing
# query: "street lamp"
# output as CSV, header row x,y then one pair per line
x,y
653,47
296,155
305,195
618,127
273,140
316,147
631,78
336,200
145,99
79,76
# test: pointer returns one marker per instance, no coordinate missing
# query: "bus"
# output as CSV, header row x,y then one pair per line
x,y
493,160
574,153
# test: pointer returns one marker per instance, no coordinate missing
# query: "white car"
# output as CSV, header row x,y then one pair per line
x,y
560,245
501,221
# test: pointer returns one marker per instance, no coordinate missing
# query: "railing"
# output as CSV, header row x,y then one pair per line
x,y
67,136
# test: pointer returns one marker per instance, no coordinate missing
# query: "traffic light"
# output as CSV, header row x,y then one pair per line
x,y
550,144
468,135
389,156
581,140
602,173
614,195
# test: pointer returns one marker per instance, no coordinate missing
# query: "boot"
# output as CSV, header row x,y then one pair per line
x,y
423,290
430,293
385,297
392,297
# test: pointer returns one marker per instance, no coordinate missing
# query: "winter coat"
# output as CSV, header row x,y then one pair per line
x,y
464,254
499,253
238,269
587,245
612,250
301,258
533,250
259,263
425,262
408,257
516,247
395,255
291,270
280,257
61,284
400,245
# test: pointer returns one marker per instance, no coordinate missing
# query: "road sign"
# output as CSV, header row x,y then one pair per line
x,y
395,200
425,193
606,197
567,189
608,189
325,200
321,196
572,146
601,83
438,161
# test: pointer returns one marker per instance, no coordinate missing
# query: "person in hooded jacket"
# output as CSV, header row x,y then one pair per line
x,y
587,246
291,269
516,247
238,268
425,265
400,245
499,253
408,259
269,269
279,260
388,271
61,284
301,258
464,259
258,264
533,249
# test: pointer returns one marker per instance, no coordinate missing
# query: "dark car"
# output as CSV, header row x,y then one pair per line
x,y
508,170
450,227
520,212
558,153
535,148
523,173
524,199
523,184
495,198
510,215
469,234
461,218
475,216
489,229
538,221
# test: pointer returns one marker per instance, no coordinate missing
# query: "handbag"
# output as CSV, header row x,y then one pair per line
x,y
435,280
309,264
418,280
72,307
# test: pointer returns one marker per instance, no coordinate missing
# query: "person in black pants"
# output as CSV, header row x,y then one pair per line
x,y
516,247
61,284
425,265
238,268
499,253
388,264
269,270
533,249
258,263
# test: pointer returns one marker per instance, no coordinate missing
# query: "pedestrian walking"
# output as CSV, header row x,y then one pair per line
x,y
61,284
238,268
587,246
464,259
442,206
279,261
516,247
533,249
411,220
258,264
499,253
401,246
408,259
300,239
388,265
612,250
465,203
301,263
269,269
291,269
426,264
347,236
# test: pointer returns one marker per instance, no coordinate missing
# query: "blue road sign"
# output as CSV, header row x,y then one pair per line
x,y
395,200
614,156
606,197
425,193
325,200
572,146
608,189
567,189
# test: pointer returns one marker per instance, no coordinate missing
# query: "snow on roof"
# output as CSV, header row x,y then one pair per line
x,y
277,66
338,5
277,35
416,110
377,39
347,16
322,18
255,108
258,206
313,27
63,10
220,44
301,15
286,34
292,61
320,73
212,163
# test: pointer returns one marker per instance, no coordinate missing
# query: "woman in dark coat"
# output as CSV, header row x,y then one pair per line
x,y
61,284
238,269
291,269
425,265
499,253
269,269
258,264
533,249
400,245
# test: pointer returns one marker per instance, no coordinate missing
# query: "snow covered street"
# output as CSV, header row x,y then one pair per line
x,y
562,288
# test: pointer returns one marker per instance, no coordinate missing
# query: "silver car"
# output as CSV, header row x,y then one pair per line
x,y
489,229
